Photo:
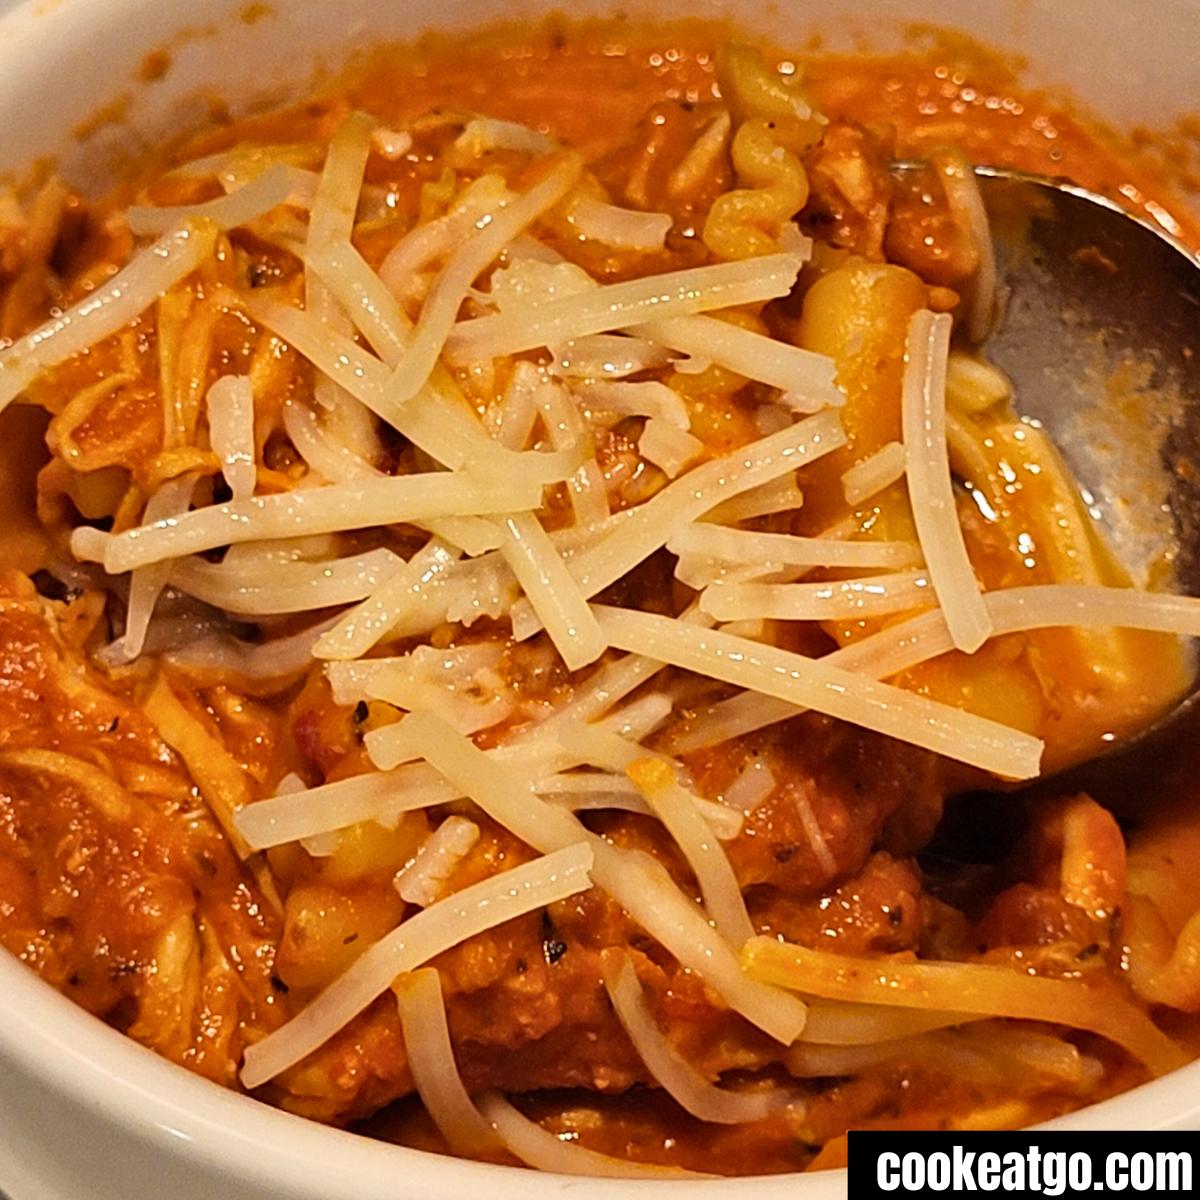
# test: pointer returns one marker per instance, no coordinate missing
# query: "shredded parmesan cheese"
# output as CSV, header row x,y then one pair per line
x,y
668,447
553,593
487,133
372,308
743,546
447,294
923,412
718,884
286,587
752,787
539,1148
435,1075
408,690
906,645
421,881
621,228
392,144
812,829
457,667
385,795
598,790
360,505
146,584
437,421
566,428
231,430
620,305
796,372
511,421
986,989
413,943
703,157
678,1077
428,345
1018,610
256,662
382,796
402,271
860,483
638,883
335,205
644,888
485,587
469,708
836,600
966,205
701,489
407,589
815,684
239,207
605,356
498,792
148,275
647,399
780,495
656,777
323,453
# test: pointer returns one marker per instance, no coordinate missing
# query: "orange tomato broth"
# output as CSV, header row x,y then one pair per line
x,y
594,84
588,83
609,88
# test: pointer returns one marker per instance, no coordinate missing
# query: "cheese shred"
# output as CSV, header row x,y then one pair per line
x,y
690,1090
982,988
815,684
383,501
618,306
923,412
148,276
413,943
434,1071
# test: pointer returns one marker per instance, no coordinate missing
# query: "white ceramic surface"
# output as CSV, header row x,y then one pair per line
x,y
84,1113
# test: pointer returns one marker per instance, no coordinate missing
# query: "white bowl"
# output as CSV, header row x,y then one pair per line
x,y
84,1112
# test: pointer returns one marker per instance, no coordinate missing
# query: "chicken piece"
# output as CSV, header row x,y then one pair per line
x,y
115,885
1066,904
924,234
851,190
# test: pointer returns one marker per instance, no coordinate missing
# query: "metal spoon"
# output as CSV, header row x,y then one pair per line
x,y
1099,330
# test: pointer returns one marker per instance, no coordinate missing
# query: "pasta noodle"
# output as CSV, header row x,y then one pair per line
x,y
776,127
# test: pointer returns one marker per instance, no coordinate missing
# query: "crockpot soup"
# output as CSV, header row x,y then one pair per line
x,y
509,564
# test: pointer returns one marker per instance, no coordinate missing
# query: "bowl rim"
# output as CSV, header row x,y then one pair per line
x,y
60,1047
58,1044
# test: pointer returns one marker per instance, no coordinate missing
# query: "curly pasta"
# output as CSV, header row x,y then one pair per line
x,y
776,127
752,89
1161,969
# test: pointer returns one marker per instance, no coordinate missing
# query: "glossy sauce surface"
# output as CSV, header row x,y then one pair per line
x,y
525,1015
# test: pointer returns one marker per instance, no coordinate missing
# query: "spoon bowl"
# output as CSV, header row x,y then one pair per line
x,y
1099,330
1100,333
